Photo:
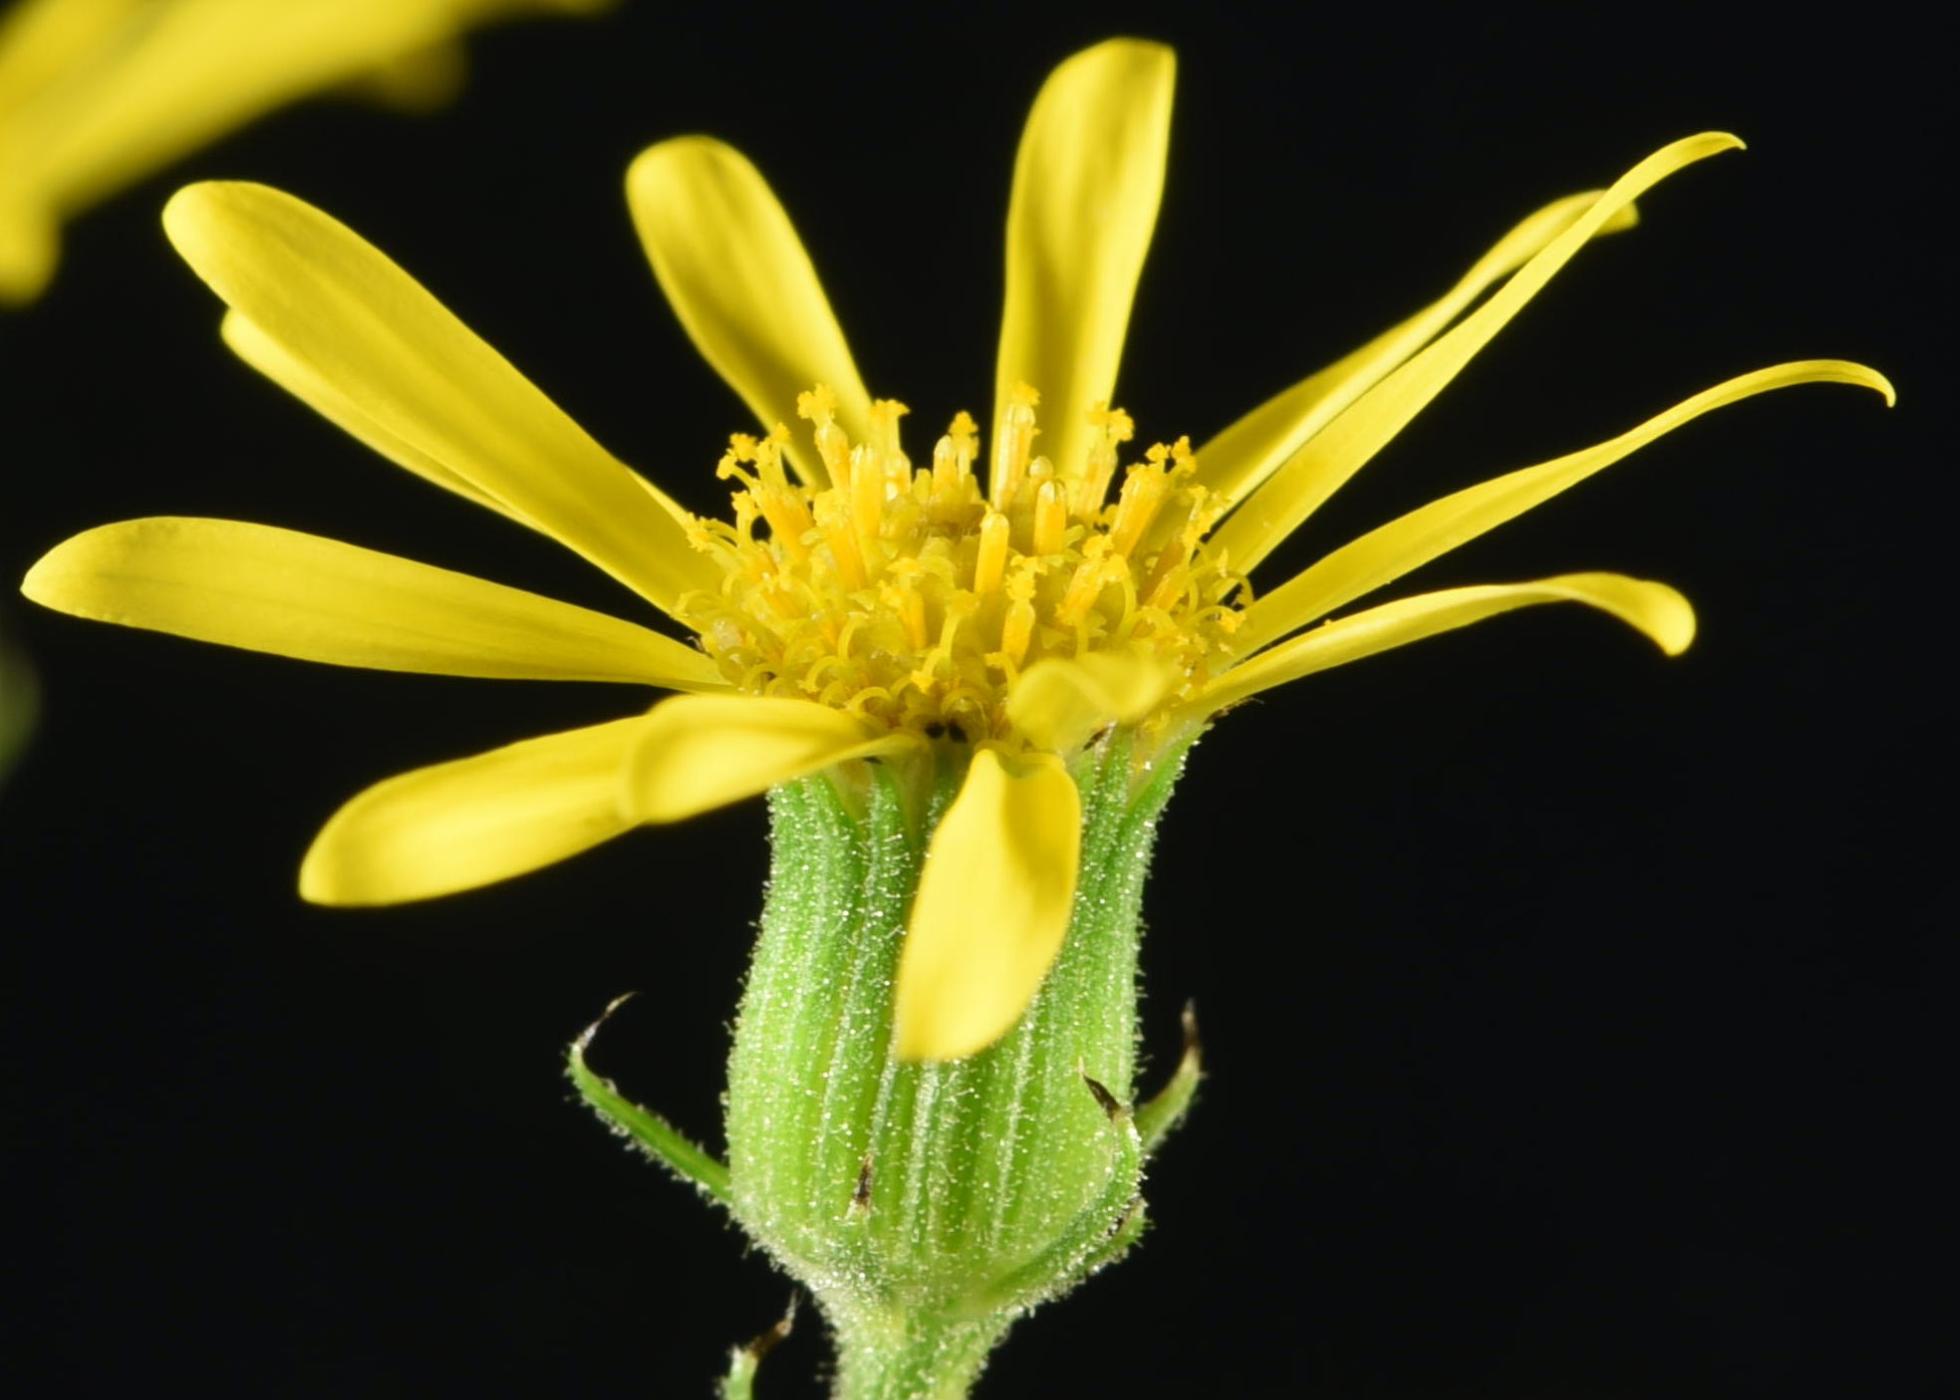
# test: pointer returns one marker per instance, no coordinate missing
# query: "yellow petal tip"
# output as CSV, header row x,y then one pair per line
x,y
1663,614
1678,633
319,881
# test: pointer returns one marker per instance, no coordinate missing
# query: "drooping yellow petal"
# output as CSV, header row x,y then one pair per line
x,y
271,359
698,752
737,276
1325,461
1087,181
359,325
1251,449
1057,703
456,826
108,92
1385,554
1654,609
291,594
993,907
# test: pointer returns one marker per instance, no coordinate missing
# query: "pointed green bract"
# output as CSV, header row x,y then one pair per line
x,y
652,1133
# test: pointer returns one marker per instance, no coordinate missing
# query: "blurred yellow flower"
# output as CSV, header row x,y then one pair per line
x,y
97,94
991,611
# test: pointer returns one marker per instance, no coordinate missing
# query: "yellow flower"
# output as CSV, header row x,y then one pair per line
x,y
993,611
97,94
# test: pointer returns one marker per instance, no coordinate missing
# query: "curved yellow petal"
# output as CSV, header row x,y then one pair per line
x,y
1252,448
291,594
1057,703
698,752
736,274
1653,609
1325,461
358,324
271,359
1087,182
456,826
993,907
104,93
1385,554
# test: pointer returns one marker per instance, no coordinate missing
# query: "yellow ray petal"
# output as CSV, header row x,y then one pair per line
x,y
364,328
1320,466
1385,554
1087,181
699,752
456,826
280,591
1654,609
1251,449
737,276
109,92
1057,703
271,359
993,907
41,39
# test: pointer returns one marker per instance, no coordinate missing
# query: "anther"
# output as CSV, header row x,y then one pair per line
x,y
1012,442
1143,492
819,405
1050,518
1087,584
885,414
867,493
834,520
1017,628
990,564
1113,428
965,434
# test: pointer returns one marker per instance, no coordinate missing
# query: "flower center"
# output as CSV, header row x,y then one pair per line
x,y
914,598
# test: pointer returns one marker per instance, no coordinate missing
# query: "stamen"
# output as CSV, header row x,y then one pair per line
x,y
880,591
1113,428
1086,584
991,564
902,597
867,494
1012,443
1050,518
834,520
1143,492
1017,628
819,405
965,434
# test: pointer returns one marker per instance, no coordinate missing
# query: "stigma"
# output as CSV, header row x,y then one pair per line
x,y
914,596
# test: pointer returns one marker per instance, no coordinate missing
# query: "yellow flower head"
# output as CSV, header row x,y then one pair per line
x,y
918,599
997,602
97,94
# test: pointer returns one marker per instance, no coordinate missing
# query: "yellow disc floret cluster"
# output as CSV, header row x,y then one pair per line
x,y
914,598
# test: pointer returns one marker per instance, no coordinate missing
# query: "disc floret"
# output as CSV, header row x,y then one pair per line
x,y
914,597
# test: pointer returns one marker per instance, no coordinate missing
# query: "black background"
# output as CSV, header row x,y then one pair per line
x,y
1572,1013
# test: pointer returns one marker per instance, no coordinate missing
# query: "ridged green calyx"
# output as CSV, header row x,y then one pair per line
x,y
927,1205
